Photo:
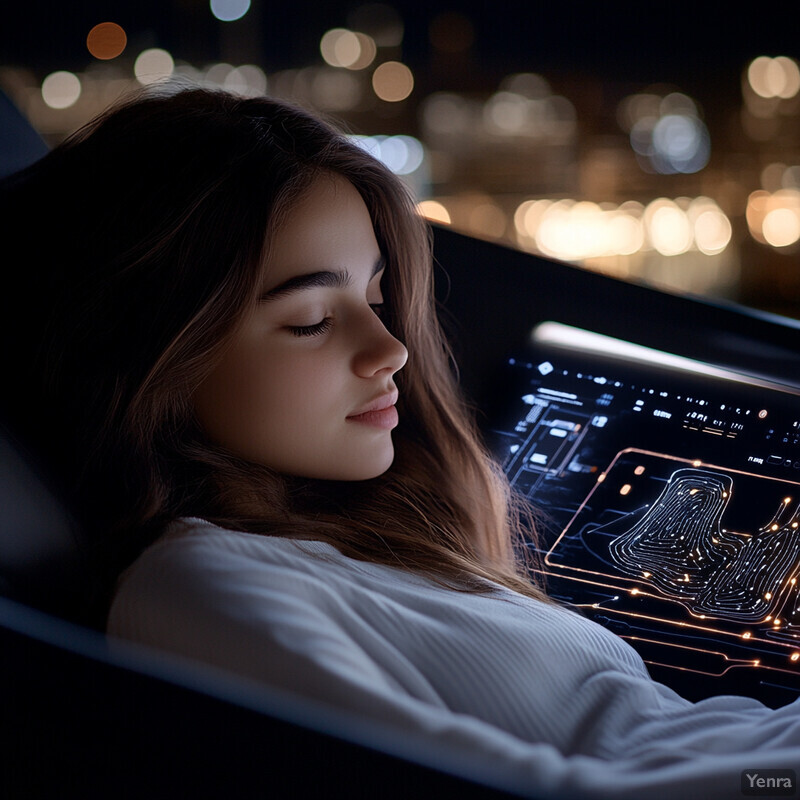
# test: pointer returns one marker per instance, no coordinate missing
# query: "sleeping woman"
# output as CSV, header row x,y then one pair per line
x,y
229,345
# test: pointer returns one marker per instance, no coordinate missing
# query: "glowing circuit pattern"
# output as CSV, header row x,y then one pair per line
x,y
681,547
661,516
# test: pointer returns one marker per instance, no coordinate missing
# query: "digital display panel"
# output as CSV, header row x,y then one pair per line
x,y
668,500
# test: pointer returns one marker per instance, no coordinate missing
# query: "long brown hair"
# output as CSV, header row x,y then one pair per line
x,y
160,214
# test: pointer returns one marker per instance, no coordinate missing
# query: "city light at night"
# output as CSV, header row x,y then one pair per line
x,y
648,180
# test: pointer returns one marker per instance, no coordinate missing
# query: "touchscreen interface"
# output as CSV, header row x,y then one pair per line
x,y
668,498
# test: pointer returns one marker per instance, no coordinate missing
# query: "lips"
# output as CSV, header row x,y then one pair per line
x,y
378,413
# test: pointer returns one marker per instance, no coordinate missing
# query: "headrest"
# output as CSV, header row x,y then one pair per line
x,y
41,563
20,144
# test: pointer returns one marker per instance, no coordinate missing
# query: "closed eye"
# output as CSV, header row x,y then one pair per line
x,y
311,330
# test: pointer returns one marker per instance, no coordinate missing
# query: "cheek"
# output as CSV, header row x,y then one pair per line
x,y
276,406
293,382
285,394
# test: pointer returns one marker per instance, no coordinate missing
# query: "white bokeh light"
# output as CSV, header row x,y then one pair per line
x,y
61,89
153,65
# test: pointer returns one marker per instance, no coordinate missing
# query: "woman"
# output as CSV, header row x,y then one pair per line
x,y
231,340
159,217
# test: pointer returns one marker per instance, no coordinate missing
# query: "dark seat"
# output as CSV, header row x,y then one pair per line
x,y
40,560
20,145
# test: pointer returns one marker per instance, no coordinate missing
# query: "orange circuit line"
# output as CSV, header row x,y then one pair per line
x,y
686,625
732,663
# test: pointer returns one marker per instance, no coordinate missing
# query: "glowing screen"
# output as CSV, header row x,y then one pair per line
x,y
669,511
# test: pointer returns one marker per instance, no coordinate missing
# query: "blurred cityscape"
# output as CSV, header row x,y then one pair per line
x,y
679,184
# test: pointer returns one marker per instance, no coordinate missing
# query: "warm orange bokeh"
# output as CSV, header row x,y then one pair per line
x,y
106,40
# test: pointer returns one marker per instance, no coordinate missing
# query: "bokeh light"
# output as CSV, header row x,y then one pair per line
x,y
579,231
61,89
106,40
668,227
367,52
393,81
680,144
774,217
781,227
153,65
712,232
229,10
434,211
774,77
711,228
217,74
506,112
341,47
518,160
247,80
402,154
666,133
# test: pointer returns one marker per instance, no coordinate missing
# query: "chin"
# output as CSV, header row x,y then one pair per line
x,y
367,469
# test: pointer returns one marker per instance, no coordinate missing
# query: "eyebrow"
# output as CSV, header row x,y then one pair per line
x,y
326,279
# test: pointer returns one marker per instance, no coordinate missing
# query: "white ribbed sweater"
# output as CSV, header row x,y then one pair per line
x,y
563,704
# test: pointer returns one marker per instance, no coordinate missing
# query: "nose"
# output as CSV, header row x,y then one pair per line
x,y
378,351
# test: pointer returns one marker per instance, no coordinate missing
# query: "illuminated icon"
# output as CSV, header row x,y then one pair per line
x,y
545,368
762,414
599,421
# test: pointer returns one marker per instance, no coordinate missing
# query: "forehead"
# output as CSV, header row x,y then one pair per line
x,y
329,227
